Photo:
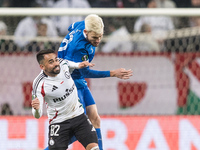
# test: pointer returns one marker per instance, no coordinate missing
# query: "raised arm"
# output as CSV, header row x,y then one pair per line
x,y
119,73
80,65
85,64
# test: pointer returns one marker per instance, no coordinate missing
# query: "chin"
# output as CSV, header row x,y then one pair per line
x,y
95,45
57,72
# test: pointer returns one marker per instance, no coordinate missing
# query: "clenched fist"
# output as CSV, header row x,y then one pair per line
x,y
35,103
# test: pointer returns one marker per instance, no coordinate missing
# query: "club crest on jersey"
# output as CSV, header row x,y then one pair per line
x,y
67,74
84,58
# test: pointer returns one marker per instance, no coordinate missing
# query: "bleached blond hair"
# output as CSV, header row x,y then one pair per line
x,y
94,23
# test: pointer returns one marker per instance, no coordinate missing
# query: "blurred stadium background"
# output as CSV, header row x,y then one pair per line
x,y
157,109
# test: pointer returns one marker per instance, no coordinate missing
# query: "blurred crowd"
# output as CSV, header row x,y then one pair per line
x,y
119,30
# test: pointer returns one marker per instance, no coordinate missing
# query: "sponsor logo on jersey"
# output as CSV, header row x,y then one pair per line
x,y
84,58
54,88
67,93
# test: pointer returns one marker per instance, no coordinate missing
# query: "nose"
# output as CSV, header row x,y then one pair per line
x,y
56,63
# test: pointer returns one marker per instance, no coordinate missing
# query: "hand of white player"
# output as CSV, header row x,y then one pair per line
x,y
121,73
35,103
85,64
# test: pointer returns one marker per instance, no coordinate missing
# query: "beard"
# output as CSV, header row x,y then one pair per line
x,y
55,70
58,70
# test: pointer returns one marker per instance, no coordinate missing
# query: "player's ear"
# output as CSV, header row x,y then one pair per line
x,y
85,31
42,66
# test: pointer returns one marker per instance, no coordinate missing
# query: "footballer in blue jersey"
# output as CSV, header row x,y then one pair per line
x,y
79,45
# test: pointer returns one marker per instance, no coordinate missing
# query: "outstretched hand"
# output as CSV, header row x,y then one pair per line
x,y
121,73
85,64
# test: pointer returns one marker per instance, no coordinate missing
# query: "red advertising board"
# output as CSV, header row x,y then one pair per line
x,y
119,133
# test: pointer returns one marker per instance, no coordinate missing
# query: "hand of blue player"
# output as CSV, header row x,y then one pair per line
x,y
121,73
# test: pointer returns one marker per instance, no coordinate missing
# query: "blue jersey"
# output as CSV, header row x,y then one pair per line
x,y
75,47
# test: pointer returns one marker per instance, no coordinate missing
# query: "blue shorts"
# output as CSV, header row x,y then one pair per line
x,y
86,97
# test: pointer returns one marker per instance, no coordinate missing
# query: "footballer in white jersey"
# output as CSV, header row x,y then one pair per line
x,y
56,88
59,94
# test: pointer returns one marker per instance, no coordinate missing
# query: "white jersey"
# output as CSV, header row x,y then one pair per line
x,y
59,93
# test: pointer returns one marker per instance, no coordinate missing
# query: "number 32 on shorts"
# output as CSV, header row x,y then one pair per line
x,y
54,130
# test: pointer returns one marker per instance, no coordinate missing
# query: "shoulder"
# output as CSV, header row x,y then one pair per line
x,y
64,64
63,61
80,25
78,42
39,79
